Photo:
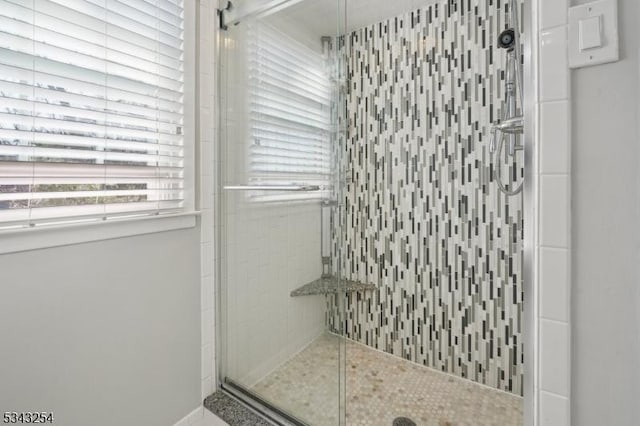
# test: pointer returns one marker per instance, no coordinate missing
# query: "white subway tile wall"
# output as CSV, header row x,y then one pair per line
x,y
554,65
554,410
554,357
553,13
208,194
554,276
554,138
553,245
554,207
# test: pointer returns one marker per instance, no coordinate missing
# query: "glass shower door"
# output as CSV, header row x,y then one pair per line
x,y
280,290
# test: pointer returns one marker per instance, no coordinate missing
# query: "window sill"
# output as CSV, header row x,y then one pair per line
x,y
18,240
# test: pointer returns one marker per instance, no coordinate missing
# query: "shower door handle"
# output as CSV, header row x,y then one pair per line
x,y
288,188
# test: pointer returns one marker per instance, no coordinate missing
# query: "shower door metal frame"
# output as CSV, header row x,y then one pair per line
x,y
530,201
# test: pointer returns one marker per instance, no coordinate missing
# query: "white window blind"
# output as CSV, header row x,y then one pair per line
x,y
91,111
290,114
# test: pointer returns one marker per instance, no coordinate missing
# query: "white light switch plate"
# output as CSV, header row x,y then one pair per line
x,y
607,13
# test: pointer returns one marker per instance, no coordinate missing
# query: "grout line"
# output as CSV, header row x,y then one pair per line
x,y
554,321
557,395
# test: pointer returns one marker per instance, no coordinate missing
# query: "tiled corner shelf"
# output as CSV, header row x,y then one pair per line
x,y
331,285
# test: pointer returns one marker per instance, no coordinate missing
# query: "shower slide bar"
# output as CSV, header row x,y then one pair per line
x,y
289,188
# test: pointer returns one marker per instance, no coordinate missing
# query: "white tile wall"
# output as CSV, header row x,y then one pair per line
x,y
554,138
207,253
554,64
554,410
553,13
554,206
274,250
207,356
552,383
206,292
208,194
554,284
554,357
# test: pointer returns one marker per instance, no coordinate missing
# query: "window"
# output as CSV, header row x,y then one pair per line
x,y
92,111
290,114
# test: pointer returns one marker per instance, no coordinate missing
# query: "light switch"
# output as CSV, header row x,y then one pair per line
x,y
591,33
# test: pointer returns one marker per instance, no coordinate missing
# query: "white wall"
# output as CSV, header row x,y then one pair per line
x,y
272,251
119,331
606,235
104,333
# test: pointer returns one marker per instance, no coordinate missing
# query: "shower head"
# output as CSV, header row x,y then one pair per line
x,y
507,39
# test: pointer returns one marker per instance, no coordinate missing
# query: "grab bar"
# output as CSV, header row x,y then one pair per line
x,y
290,188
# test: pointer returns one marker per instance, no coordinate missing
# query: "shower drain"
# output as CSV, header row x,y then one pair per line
x,y
403,421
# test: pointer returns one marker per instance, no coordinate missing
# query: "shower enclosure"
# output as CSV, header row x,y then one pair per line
x,y
371,263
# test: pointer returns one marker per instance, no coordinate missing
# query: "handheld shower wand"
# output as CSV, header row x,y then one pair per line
x,y
511,124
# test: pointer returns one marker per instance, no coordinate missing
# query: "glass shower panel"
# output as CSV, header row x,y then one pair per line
x,y
280,96
372,266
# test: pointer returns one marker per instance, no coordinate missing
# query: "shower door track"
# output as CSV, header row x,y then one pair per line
x,y
260,405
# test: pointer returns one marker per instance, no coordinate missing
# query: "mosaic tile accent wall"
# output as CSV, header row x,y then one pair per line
x,y
421,215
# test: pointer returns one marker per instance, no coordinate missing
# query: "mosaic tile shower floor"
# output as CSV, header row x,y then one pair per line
x,y
381,388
